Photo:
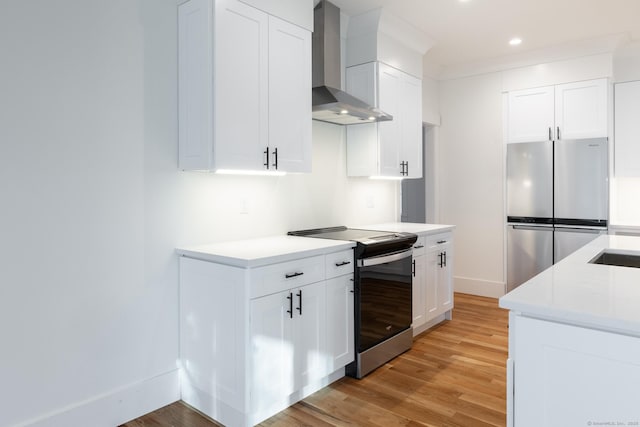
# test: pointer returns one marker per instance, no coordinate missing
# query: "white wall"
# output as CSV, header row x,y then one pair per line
x,y
470,193
93,206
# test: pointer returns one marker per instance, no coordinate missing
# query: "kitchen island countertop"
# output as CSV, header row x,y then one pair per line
x,y
577,292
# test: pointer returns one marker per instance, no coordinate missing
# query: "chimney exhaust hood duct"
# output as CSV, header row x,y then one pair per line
x,y
330,104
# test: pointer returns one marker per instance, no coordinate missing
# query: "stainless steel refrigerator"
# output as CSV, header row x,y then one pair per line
x,y
557,201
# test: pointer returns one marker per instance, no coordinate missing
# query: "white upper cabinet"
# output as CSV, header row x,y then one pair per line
x,y
581,110
240,87
392,148
627,129
289,96
244,89
567,111
530,115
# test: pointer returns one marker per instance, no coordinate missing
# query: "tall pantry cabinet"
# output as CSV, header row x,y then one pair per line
x,y
244,83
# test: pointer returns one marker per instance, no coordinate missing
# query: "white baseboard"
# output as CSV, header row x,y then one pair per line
x,y
483,288
116,407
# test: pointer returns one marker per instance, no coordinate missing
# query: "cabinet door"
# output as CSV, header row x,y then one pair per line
x,y
240,94
411,124
390,133
581,110
273,353
570,376
362,82
431,282
530,115
289,96
444,280
310,334
627,129
439,281
419,296
340,317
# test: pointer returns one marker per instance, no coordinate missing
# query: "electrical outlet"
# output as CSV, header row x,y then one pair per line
x,y
244,207
370,202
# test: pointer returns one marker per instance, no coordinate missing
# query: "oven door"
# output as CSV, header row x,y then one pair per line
x,y
383,298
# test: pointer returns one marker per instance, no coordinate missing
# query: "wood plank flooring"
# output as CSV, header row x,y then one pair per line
x,y
453,376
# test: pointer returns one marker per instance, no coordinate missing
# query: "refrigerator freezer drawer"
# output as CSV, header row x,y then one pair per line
x,y
529,252
568,240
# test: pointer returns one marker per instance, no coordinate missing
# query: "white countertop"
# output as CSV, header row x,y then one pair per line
x,y
270,250
576,292
409,227
264,251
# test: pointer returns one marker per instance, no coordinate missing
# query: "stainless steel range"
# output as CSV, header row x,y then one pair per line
x,y
382,275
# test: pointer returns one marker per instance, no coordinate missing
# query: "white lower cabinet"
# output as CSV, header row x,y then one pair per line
x,y
288,333
255,341
564,375
432,280
340,339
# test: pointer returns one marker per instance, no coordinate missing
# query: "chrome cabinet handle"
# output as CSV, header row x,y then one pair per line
x,y
550,136
441,242
275,156
340,264
266,152
299,295
418,246
558,132
292,275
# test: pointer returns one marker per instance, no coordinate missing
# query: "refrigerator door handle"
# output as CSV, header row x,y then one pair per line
x,y
530,227
582,230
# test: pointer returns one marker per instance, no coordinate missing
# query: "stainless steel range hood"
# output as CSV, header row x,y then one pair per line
x,y
331,104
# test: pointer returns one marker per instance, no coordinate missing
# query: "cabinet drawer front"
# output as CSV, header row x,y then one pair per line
x,y
439,240
419,246
286,275
339,263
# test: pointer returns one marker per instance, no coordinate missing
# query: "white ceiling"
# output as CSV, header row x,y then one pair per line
x,y
479,30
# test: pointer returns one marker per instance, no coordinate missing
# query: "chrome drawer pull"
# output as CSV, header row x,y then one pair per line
x,y
340,264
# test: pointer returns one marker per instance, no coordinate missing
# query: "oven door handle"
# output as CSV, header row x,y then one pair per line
x,y
377,260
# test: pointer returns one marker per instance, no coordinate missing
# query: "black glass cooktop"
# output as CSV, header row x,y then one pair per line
x,y
344,233
382,240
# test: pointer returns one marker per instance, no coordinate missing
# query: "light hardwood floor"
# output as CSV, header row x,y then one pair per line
x,y
453,376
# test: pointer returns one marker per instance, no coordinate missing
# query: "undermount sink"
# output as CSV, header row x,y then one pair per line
x,y
621,259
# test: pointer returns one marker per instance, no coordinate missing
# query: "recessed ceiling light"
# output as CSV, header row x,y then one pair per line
x,y
515,41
